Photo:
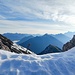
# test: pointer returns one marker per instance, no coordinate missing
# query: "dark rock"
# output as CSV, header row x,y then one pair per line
x,y
8,45
69,44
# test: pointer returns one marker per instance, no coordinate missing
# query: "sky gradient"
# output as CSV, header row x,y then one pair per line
x,y
37,16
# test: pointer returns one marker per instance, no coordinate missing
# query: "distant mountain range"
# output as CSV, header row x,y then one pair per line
x,y
39,43
69,34
15,36
44,44
67,46
63,38
18,36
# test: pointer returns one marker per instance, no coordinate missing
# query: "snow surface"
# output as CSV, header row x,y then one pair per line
x,y
48,64
20,47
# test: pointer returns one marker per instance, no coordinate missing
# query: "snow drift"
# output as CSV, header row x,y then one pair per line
x,y
48,64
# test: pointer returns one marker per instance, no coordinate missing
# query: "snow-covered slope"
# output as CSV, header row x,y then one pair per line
x,y
48,64
7,45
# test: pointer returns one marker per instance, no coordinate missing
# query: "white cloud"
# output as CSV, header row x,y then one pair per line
x,y
44,9
59,11
2,17
33,27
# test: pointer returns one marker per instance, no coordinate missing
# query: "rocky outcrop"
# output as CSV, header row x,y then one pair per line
x,y
5,43
8,45
69,44
50,49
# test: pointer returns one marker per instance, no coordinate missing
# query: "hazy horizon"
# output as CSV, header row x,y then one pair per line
x,y
37,16
38,33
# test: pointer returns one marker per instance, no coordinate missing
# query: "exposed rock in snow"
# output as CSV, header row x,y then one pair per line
x,y
69,44
8,45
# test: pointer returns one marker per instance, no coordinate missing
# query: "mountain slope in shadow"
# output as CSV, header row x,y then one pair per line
x,y
39,43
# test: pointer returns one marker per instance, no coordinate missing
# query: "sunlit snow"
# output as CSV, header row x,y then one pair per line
x,y
49,64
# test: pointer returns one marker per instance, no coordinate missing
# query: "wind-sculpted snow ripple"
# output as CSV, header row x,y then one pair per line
x,y
48,64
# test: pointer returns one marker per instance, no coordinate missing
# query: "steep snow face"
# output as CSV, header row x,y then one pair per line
x,y
48,64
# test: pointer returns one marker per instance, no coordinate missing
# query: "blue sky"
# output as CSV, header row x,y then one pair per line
x,y
37,16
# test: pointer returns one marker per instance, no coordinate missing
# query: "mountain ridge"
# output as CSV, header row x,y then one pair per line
x,y
69,44
39,43
8,45
50,49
